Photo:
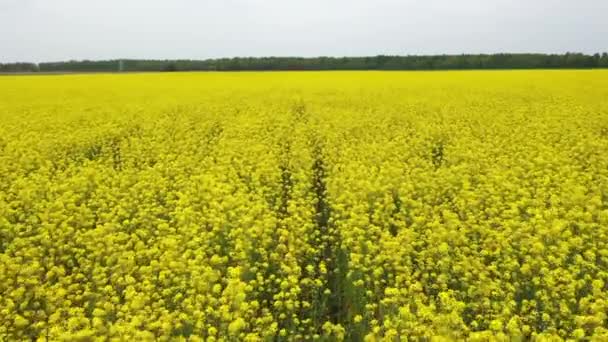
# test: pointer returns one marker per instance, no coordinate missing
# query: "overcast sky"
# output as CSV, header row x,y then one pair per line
x,y
44,30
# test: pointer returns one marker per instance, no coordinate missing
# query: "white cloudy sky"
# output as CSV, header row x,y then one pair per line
x,y
43,30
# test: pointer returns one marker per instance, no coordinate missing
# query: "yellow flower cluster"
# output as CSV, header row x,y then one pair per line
x,y
360,206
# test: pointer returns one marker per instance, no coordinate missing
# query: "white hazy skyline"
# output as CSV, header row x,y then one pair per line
x,y
43,30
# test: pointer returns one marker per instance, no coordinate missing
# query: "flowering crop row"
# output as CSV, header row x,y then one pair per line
x,y
301,206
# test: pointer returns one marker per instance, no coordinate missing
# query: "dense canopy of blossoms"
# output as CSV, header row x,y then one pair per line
x,y
298,206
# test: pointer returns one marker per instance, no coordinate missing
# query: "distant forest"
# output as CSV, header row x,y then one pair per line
x,y
438,62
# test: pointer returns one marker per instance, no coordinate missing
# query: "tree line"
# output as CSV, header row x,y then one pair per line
x,y
381,62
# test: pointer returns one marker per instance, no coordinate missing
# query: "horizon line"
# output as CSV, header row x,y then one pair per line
x,y
307,57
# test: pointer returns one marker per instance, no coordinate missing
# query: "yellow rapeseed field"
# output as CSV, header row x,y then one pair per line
x,y
358,206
